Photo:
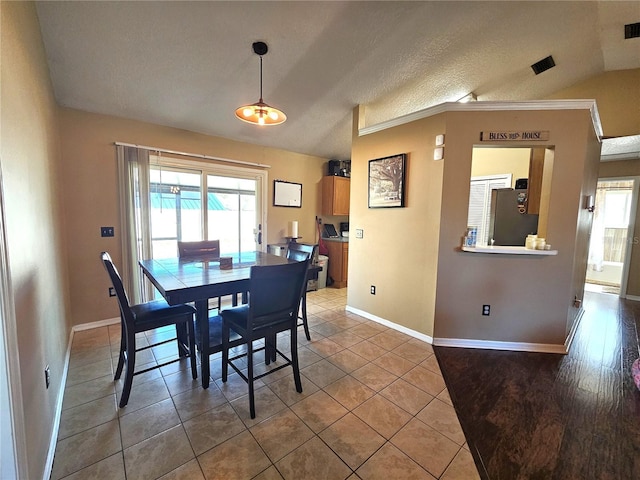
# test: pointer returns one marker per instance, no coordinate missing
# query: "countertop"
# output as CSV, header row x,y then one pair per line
x,y
338,239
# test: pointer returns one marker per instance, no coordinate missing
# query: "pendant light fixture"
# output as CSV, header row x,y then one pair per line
x,y
260,113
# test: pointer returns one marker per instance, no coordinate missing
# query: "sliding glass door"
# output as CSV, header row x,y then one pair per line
x,y
232,213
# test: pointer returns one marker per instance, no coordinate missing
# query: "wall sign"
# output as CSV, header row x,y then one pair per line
x,y
522,136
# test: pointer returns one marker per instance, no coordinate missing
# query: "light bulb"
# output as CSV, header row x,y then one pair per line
x,y
247,112
261,120
273,115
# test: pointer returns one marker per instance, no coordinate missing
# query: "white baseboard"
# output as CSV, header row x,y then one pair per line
x,y
495,345
464,342
574,328
387,323
634,298
99,323
58,411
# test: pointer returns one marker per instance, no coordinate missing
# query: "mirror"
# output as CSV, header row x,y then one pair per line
x,y
509,194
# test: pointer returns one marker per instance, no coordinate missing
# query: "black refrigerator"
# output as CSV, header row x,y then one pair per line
x,y
507,225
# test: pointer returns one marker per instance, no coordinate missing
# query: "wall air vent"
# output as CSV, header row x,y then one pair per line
x,y
542,65
632,30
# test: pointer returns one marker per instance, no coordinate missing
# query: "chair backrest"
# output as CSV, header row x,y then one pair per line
x,y
301,251
204,248
116,281
275,292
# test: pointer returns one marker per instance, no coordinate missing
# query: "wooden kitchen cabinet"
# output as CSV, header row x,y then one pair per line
x,y
335,195
338,262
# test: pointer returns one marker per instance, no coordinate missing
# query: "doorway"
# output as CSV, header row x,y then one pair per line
x,y
608,263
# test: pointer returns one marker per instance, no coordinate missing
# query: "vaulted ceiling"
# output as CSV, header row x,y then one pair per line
x,y
190,64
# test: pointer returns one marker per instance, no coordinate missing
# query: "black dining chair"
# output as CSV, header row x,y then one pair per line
x,y
204,250
300,252
144,317
275,292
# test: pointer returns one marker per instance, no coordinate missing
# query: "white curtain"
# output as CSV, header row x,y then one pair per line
x,y
135,228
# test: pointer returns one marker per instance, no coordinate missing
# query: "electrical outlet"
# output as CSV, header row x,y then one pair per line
x,y
47,376
486,310
112,292
359,233
106,231
373,289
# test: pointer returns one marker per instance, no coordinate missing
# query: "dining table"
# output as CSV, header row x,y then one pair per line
x,y
197,279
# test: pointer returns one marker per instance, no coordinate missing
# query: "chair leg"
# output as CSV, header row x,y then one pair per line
x,y
294,357
131,364
192,348
225,350
123,346
305,324
182,335
252,402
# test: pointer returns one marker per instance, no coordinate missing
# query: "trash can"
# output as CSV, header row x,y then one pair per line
x,y
323,261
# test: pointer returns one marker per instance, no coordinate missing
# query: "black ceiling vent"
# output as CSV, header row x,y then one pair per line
x,y
542,65
632,30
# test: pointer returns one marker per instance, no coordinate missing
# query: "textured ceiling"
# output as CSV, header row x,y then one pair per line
x,y
190,64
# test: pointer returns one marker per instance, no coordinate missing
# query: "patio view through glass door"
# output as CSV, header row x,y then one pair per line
x,y
231,213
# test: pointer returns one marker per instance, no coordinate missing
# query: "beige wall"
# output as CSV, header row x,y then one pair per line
x,y
495,161
618,98
90,194
617,94
398,253
34,227
407,252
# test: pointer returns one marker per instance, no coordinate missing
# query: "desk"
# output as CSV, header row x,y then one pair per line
x,y
198,279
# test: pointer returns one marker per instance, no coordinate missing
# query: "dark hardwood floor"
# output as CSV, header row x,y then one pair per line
x,y
547,416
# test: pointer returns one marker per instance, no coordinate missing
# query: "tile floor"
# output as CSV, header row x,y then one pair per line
x,y
374,406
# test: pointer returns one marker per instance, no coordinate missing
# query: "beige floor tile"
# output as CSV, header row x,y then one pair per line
x,y
345,322
213,428
88,391
90,339
267,403
230,460
281,434
406,396
181,381
394,363
197,401
443,418
88,415
368,350
285,389
425,380
431,363
319,411
86,448
349,392
352,440
383,416
235,386
270,473
147,422
429,448
461,468
189,471
444,397
306,357
111,467
367,329
415,352
158,455
145,394
390,463
346,338
324,347
313,461
328,328
388,340
374,376
91,371
347,361
323,373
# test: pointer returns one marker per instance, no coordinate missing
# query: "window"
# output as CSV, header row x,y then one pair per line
x,y
480,202
232,213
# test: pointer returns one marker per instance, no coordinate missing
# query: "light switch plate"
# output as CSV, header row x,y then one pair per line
x,y
359,233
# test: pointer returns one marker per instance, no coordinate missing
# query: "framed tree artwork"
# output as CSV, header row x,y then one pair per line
x,y
386,181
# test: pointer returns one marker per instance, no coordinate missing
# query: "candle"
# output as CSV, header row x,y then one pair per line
x,y
293,229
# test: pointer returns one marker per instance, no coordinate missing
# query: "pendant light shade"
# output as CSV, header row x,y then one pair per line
x,y
260,113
